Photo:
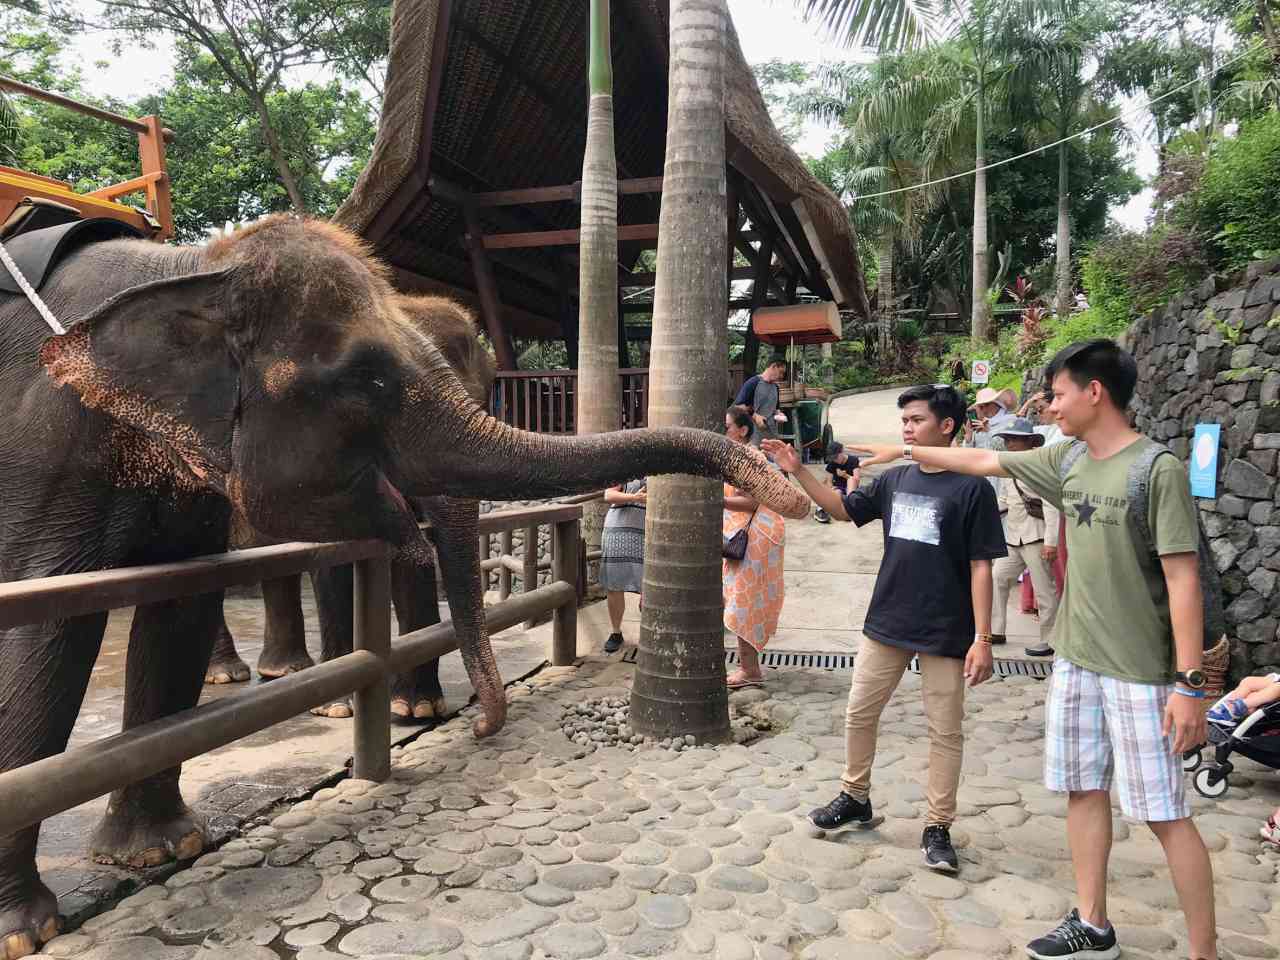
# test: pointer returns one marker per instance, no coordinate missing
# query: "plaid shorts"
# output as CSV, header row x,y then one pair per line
x,y
1098,729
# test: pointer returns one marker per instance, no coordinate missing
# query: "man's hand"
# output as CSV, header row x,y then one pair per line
x,y
1049,554
1184,718
876,453
784,455
641,496
978,663
855,479
759,420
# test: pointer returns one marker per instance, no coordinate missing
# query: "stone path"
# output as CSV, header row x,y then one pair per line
x,y
528,845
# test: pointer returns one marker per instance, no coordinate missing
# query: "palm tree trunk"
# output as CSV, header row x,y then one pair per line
x,y
1064,236
679,685
599,389
1269,32
981,261
885,284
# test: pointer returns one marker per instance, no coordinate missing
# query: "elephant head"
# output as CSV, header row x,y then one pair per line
x,y
280,369
452,328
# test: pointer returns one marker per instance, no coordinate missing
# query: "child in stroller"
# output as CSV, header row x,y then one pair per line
x,y
1245,721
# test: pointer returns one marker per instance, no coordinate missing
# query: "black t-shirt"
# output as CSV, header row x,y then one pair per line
x,y
934,525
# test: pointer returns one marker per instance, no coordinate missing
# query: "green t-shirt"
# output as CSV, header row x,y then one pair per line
x,y
1115,612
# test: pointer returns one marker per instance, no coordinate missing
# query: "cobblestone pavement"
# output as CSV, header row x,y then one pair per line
x,y
527,845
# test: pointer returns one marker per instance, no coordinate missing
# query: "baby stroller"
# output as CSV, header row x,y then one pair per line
x,y
1257,737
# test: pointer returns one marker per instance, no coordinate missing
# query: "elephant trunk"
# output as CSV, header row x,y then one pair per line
x,y
460,450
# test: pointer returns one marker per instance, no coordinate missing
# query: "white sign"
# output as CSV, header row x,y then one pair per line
x,y
981,371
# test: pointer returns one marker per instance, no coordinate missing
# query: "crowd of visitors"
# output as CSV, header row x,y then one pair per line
x,y
1120,611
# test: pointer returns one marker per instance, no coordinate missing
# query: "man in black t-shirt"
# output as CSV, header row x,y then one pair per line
x,y
843,467
932,598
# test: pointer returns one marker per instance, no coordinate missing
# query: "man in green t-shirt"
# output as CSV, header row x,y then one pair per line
x,y
1124,702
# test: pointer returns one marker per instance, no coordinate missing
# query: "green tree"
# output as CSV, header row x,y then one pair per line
x,y
782,84
255,43
679,680
599,389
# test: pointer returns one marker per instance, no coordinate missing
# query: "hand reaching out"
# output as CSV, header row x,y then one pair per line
x,y
784,455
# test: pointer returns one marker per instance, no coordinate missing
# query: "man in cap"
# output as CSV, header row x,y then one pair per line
x,y
1031,533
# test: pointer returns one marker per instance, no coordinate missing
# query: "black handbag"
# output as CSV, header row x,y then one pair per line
x,y
735,547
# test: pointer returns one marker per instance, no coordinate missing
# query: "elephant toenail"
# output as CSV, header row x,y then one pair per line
x,y
49,929
18,945
189,846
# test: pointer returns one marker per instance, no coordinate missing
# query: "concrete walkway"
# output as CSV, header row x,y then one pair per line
x,y
529,845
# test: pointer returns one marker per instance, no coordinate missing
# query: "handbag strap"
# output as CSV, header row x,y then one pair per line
x,y
1026,501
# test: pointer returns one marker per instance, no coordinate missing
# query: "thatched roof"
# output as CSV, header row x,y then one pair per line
x,y
510,112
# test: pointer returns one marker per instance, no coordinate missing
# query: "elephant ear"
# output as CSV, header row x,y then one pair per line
x,y
157,358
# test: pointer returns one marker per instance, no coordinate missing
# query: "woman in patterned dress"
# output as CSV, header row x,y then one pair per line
x,y
622,552
753,587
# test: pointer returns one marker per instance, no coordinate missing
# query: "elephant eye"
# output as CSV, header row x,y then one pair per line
x,y
378,383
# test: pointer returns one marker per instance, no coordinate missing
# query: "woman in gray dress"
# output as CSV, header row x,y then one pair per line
x,y
622,552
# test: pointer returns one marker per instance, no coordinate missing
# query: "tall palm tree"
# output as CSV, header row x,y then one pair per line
x,y
599,389
1049,84
679,683
973,38
8,131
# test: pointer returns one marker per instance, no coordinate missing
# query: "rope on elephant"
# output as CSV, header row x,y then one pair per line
x,y
34,297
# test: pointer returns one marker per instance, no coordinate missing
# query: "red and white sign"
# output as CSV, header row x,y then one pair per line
x,y
981,371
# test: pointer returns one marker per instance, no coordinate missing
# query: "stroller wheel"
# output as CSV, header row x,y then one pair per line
x,y
1191,760
1210,782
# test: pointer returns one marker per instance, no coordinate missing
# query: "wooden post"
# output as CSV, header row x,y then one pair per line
x,y
487,289
482,552
529,575
371,759
564,618
759,296
504,572
624,348
159,200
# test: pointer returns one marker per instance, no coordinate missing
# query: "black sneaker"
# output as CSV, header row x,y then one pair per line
x,y
1041,651
821,516
614,643
1073,939
938,852
844,811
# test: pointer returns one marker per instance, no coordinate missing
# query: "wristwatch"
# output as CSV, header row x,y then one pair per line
x,y
906,452
1195,679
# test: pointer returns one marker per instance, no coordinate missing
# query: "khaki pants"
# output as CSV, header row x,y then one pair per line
x,y
877,670
1005,573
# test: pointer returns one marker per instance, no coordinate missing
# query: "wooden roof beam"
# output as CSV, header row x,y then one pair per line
x,y
564,238
567,192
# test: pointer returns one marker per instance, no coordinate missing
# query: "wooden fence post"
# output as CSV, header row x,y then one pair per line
x,y
564,618
504,572
372,704
530,573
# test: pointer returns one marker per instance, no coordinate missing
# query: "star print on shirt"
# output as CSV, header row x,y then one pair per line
x,y
1084,514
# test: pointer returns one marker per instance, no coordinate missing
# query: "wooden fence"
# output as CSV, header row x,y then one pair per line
x,y
545,401
46,787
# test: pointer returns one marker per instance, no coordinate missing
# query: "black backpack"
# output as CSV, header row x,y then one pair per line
x,y
1139,487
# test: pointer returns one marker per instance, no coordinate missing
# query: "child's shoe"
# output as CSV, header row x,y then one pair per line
x,y
1227,712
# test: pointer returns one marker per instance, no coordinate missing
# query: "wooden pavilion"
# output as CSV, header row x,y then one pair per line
x,y
471,187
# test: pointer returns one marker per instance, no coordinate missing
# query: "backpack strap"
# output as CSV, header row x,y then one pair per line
x,y
1069,458
1139,493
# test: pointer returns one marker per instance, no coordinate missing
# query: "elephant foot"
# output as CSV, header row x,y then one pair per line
x,y
29,923
430,708
338,710
271,668
227,670
139,841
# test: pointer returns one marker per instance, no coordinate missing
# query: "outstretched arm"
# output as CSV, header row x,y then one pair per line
x,y
828,498
975,462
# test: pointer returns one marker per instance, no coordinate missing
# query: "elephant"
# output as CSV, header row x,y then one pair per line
x,y
266,378
418,695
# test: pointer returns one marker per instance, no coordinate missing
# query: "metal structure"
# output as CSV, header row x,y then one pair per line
x,y
42,789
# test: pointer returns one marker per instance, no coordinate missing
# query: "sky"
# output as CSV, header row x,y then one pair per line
x,y
768,29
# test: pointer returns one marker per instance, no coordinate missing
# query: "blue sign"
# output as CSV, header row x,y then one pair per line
x,y
1204,460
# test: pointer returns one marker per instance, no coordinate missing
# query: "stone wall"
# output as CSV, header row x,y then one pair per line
x,y
1213,356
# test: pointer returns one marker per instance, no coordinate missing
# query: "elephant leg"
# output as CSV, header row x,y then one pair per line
x,y
284,639
147,823
336,609
44,670
416,693
456,522
225,665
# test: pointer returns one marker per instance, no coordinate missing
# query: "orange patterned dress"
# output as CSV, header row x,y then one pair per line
x,y
753,586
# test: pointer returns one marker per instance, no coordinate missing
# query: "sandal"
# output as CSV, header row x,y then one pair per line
x,y
1270,832
740,681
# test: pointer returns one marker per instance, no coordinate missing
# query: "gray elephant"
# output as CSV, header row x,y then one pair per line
x,y
416,695
268,375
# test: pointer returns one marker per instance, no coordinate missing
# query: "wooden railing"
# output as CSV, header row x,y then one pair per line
x,y
545,401
47,787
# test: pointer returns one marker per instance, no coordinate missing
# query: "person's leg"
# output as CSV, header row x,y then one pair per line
x,y
617,601
1046,595
750,661
943,683
1262,691
877,670
1004,572
1089,838
1192,874
1151,785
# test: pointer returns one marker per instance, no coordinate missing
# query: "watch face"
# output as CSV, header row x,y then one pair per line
x,y
1193,679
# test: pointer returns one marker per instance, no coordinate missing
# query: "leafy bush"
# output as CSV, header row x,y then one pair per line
x,y
1239,196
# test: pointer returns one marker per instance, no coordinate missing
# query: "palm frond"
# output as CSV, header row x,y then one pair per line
x,y
886,24
8,131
